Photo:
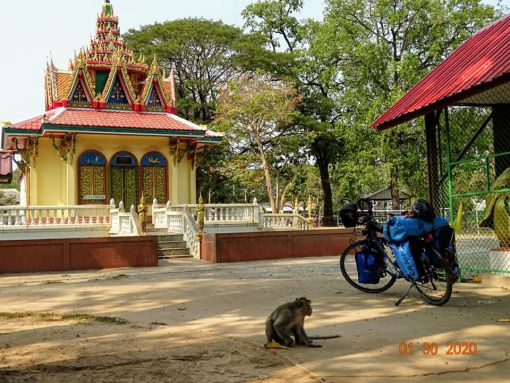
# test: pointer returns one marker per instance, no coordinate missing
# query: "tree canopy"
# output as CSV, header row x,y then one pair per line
x,y
302,93
206,54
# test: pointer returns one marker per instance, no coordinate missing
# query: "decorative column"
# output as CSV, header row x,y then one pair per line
x,y
201,214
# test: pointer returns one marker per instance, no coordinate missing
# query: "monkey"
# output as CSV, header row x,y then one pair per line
x,y
288,319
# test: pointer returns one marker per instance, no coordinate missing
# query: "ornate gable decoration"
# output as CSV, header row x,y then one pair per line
x,y
80,92
105,75
118,92
153,97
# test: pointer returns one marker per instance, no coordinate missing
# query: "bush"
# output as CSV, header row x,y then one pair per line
x,y
6,199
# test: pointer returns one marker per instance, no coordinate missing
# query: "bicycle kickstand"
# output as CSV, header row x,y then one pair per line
x,y
397,303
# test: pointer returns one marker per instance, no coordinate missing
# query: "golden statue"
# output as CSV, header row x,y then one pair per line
x,y
142,214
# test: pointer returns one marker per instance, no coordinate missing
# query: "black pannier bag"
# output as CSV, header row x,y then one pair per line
x,y
422,209
445,244
349,215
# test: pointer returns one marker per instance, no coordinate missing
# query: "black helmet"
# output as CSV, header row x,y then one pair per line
x,y
349,215
422,209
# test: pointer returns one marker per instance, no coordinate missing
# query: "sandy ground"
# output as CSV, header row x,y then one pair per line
x,y
189,321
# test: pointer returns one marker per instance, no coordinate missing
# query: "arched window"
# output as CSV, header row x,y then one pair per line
x,y
124,179
92,178
155,177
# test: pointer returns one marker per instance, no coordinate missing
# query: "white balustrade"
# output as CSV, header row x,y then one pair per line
x,y
54,215
222,215
284,222
191,233
124,223
159,215
175,222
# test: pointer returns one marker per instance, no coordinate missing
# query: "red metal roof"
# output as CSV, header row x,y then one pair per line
x,y
479,61
108,119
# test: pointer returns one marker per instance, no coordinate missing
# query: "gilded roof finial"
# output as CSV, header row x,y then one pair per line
x,y
172,82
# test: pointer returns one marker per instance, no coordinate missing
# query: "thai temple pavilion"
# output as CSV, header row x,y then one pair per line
x,y
110,130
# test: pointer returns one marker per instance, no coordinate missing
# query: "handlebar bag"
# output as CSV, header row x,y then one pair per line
x,y
399,228
367,266
405,260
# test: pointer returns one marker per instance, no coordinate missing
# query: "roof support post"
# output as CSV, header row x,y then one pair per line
x,y
500,123
431,120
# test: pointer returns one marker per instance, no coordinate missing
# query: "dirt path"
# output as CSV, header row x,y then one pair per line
x,y
189,321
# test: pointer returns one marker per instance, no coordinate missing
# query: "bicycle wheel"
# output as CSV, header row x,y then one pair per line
x,y
436,285
350,271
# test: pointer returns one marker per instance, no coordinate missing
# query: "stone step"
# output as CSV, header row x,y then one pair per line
x,y
171,244
173,251
174,256
170,237
158,230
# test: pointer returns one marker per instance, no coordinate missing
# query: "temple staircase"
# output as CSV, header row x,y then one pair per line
x,y
170,245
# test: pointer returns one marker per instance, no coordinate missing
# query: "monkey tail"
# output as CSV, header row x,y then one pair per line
x,y
325,337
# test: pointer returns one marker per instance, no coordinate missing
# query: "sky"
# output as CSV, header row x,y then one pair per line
x,y
32,29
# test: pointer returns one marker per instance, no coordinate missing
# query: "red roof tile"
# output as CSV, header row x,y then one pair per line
x,y
110,119
480,60
34,123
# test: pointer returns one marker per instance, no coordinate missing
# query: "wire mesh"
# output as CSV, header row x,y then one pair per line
x,y
474,180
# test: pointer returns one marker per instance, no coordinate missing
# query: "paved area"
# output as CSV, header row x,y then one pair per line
x,y
190,321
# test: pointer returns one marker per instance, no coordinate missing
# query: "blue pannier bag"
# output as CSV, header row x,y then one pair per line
x,y
438,223
399,228
405,260
366,263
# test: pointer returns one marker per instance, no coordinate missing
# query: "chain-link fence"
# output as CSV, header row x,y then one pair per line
x,y
473,160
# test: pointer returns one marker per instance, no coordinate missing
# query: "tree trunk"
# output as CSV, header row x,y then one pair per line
x,y
277,195
395,200
321,155
267,174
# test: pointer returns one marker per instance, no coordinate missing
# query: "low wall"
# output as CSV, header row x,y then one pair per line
x,y
77,254
240,247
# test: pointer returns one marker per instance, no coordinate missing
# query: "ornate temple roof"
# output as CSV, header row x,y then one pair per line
x,y
110,121
106,75
106,90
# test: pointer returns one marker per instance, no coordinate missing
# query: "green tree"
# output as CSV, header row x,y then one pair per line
x,y
385,47
206,54
316,76
254,112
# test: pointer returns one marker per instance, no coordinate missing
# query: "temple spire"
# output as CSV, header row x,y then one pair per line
x,y
107,9
172,82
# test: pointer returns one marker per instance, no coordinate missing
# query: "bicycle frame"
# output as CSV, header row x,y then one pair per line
x,y
426,286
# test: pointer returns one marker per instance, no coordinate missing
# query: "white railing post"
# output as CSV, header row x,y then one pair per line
x,y
154,207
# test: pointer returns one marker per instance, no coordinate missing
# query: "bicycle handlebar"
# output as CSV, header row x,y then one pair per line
x,y
366,216
365,204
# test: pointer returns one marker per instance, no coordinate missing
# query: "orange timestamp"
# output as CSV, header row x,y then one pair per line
x,y
433,348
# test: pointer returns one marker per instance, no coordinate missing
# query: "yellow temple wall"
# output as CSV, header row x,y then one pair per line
x,y
48,178
54,181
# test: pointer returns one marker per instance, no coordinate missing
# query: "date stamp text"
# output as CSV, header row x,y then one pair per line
x,y
433,348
